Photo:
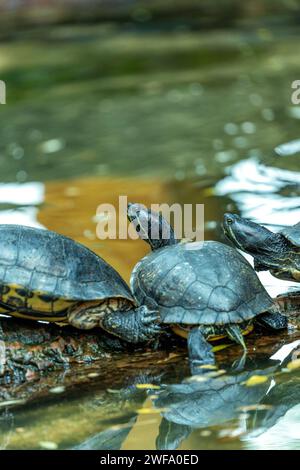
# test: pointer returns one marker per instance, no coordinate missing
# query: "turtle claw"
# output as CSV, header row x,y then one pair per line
x,y
151,318
154,329
149,323
133,326
148,334
148,316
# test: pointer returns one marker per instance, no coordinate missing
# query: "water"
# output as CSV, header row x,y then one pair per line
x,y
96,112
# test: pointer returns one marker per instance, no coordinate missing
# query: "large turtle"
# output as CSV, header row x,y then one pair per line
x,y
47,276
278,253
203,290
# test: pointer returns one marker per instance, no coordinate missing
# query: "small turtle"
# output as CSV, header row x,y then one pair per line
x,y
204,291
278,253
47,276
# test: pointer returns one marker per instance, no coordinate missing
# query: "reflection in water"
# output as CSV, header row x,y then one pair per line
x,y
110,439
226,407
255,189
252,176
284,352
27,197
278,428
200,405
289,148
23,216
70,209
25,194
283,435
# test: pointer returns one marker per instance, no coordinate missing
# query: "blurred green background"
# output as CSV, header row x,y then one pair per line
x,y
166,88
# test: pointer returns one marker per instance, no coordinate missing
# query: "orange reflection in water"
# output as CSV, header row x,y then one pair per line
x,y
70,208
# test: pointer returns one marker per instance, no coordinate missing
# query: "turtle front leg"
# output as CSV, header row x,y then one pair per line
x,y
134,326
200,351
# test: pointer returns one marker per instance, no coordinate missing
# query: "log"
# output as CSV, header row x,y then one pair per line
x,y
31,349
39,357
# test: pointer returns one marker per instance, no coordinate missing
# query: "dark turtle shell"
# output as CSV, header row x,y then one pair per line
x,y
42,271
200,283
292,234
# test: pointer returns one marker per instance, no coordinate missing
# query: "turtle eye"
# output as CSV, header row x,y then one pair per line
x,y
229,221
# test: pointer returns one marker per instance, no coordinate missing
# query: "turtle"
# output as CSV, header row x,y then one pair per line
x,y
278,253
202,290
49,277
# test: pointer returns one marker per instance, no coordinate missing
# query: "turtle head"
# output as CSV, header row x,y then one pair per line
x,y
151,226
266,247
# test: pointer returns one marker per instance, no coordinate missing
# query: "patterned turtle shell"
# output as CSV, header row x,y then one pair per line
x,y
206,283
43,273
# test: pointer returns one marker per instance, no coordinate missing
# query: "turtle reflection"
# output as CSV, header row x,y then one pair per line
x,y
249,402
206,403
